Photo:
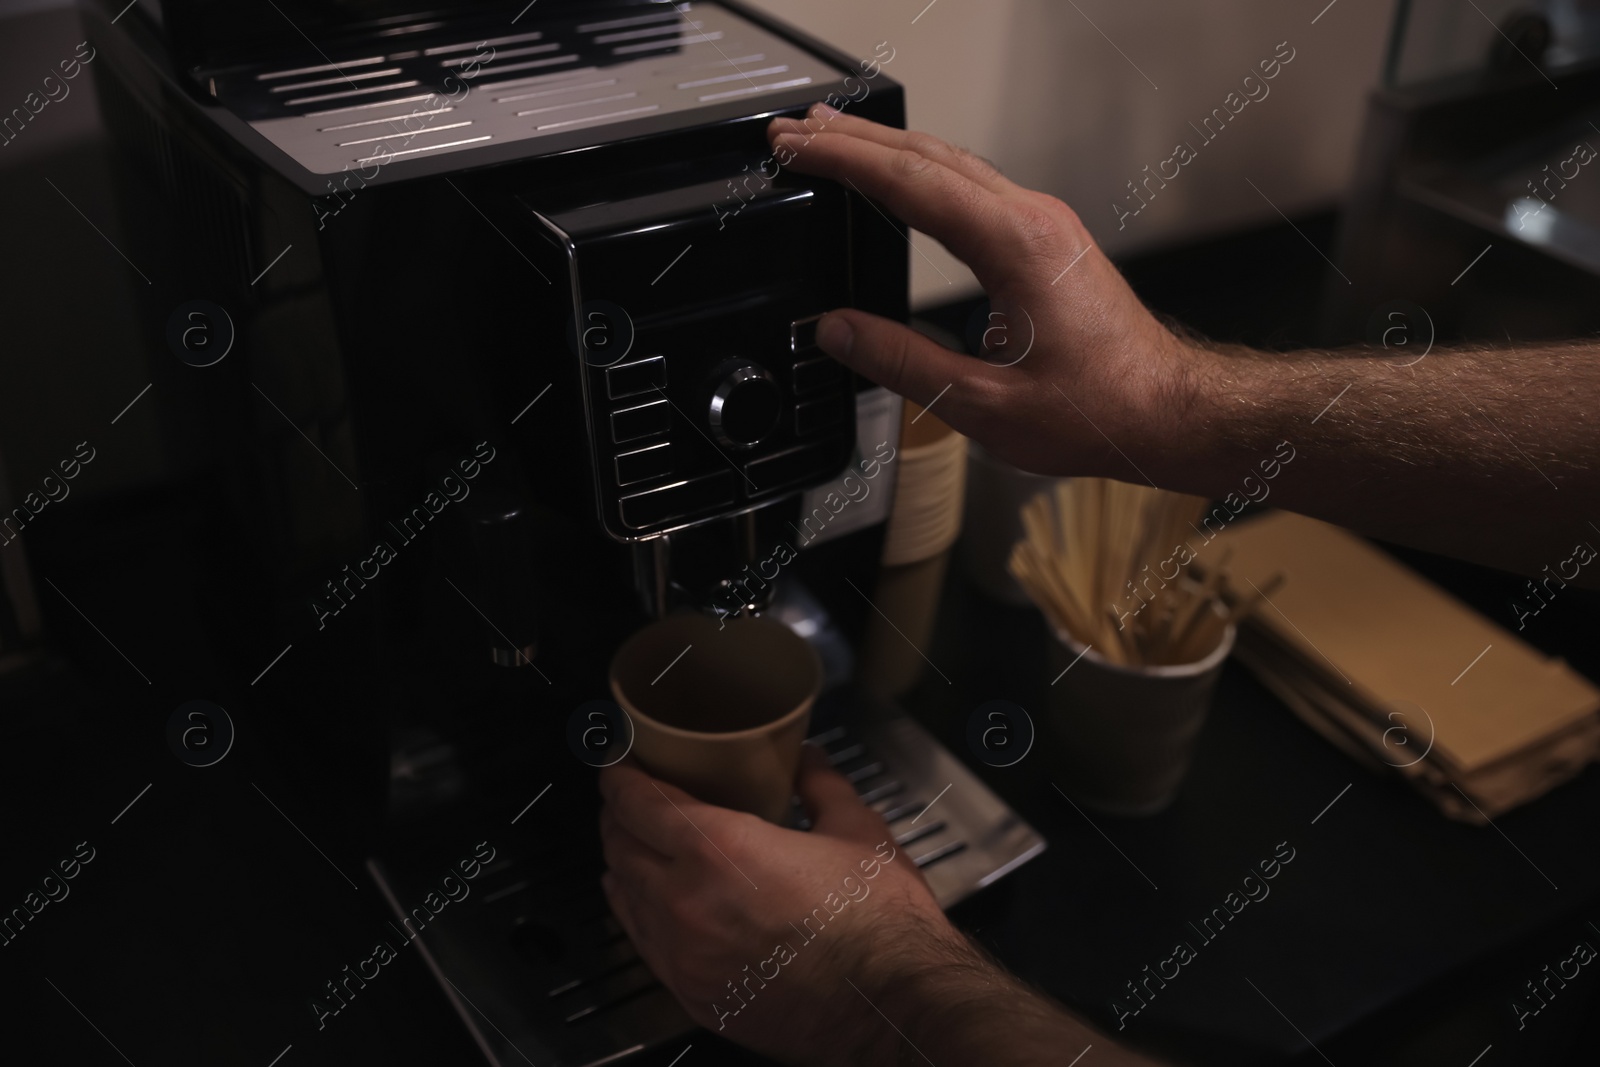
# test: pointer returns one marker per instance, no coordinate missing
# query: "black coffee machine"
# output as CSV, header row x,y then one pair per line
x,y
501,321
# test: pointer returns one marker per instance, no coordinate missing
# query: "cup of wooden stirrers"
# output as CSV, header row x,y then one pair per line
x,y
1139,641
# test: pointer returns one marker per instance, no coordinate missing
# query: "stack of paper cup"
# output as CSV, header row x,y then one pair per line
x,y
929,490
926,521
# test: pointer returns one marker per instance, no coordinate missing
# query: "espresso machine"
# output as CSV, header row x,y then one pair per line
x,y
496,322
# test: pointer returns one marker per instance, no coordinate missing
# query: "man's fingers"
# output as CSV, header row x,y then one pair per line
x,y
994,235
835,808
905,362
957,159
654,812
623,848
617,897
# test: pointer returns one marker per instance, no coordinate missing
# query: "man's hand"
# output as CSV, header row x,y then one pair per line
x,y
761,931
1101,369
1489,454
814,948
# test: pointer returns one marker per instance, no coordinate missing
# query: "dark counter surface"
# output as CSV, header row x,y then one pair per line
x,y
1384,900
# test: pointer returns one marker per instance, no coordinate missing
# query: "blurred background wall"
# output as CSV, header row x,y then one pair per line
x,y
66,296
1076,97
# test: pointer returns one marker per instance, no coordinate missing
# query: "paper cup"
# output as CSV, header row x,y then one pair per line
x,y
907,598
1126,734
720,711
929,489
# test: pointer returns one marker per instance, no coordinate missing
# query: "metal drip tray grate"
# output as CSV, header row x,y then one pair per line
x,y
960,834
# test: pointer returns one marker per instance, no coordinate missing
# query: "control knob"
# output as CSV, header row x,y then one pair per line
x,y
746,403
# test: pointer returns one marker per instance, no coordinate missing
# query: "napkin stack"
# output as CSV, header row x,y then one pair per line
x,y
1403,677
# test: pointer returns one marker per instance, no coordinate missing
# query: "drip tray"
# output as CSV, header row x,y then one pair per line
x,y
966,841
541,972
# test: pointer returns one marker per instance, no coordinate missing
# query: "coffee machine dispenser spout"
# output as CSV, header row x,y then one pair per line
x,y
710,567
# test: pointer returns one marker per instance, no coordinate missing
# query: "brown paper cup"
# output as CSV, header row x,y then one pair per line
x,y
929,489
907,598
1126,734
720,710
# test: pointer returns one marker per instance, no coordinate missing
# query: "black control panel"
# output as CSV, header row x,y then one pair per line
x,y
694,322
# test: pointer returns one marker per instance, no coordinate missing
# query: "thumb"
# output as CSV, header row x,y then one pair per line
x,y
903,361
831,801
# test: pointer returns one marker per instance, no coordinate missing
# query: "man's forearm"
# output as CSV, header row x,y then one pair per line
x,y
946,999
1489,454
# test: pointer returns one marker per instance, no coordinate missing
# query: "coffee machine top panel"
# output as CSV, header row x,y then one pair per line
x,y
456,87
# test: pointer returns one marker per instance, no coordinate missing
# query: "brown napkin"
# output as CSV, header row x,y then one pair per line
x,y
1401,675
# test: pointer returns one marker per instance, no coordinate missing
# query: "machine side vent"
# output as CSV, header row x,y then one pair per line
x,y
212,239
